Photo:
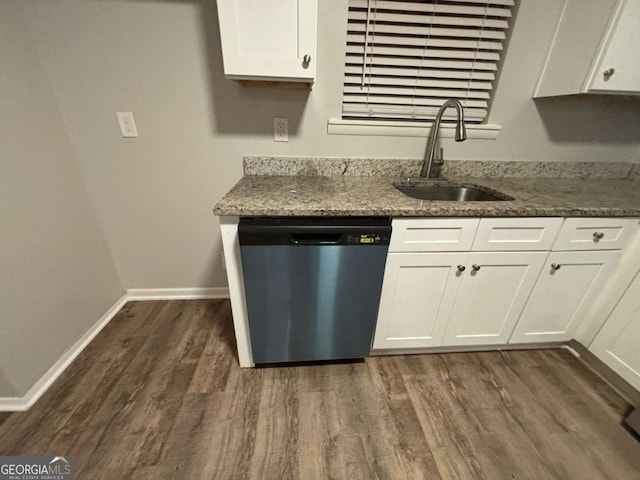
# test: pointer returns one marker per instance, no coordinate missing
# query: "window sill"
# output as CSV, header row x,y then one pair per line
x,y
406,129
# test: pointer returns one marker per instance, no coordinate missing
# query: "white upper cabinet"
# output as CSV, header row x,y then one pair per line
x,y
273,40
620,55
594,50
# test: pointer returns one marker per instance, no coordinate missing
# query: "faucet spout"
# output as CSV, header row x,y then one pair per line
x,y
460,135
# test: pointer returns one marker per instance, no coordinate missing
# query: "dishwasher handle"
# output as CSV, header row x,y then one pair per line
x,y
317,238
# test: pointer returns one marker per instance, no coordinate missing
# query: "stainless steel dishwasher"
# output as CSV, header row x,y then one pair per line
x,y
312,285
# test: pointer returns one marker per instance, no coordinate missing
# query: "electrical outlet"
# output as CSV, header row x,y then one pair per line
x,y
280,129
127,125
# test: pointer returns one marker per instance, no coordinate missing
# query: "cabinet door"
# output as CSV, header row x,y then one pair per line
x,y
268,39
618,342
418,292
620,56
581,28
563,295
494,290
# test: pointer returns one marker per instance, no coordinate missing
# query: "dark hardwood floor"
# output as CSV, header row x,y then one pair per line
x,y
159,394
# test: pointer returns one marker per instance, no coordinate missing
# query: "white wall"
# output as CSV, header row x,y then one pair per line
x,y
161,60
56,274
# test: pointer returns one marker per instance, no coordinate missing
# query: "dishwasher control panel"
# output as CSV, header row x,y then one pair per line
x,y
368,239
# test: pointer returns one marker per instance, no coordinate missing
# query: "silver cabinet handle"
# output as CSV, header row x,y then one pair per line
x,y
475,267
609,72
306,60
555,266
598,236
461,268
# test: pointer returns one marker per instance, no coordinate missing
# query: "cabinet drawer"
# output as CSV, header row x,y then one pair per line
x,y
596,233
432,235
507,234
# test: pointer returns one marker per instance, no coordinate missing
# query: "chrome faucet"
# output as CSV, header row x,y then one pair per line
x,y
461,134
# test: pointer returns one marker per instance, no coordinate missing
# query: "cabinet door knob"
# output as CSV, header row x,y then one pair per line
x,y
461,268
475,267
306,60
609,72
555,266
598,236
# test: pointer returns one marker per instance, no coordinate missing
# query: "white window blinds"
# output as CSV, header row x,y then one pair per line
x,y
405,58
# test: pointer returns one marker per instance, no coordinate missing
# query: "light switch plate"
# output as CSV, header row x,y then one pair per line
x,y
127,124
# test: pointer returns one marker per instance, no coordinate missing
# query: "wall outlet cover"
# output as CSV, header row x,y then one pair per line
x,y
127,124
280,129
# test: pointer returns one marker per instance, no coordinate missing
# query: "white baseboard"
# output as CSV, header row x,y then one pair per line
x,y
21,404
177,293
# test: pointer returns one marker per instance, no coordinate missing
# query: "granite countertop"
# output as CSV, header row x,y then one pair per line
x,y
264,195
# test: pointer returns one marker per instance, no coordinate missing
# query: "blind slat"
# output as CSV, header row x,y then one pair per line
x,y
448,8
406,100
422,81
375,61
353,80
419,52
380,39
412,73
403,19
399,89
431,102
425,7
410,113
423,31
508,3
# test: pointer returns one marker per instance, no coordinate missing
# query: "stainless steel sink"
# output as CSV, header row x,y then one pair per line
x,y
452,193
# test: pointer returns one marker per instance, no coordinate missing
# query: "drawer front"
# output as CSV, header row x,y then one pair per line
x,y
521,234
596,233
432,235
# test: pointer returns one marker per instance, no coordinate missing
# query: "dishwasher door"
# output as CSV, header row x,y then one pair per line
x,y
312,286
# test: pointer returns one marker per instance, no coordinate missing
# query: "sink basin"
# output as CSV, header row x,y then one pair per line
x,y
453,193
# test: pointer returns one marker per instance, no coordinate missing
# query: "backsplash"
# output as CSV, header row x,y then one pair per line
x,y
321,167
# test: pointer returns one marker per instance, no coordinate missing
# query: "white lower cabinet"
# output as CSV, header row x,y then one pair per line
x,y
563,295
618,342
418,293
444,299
495,287
445,285
455,295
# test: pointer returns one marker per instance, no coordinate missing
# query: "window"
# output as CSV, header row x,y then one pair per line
x,y
406,57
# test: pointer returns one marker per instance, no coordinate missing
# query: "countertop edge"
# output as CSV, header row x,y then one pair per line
x,y
375,196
